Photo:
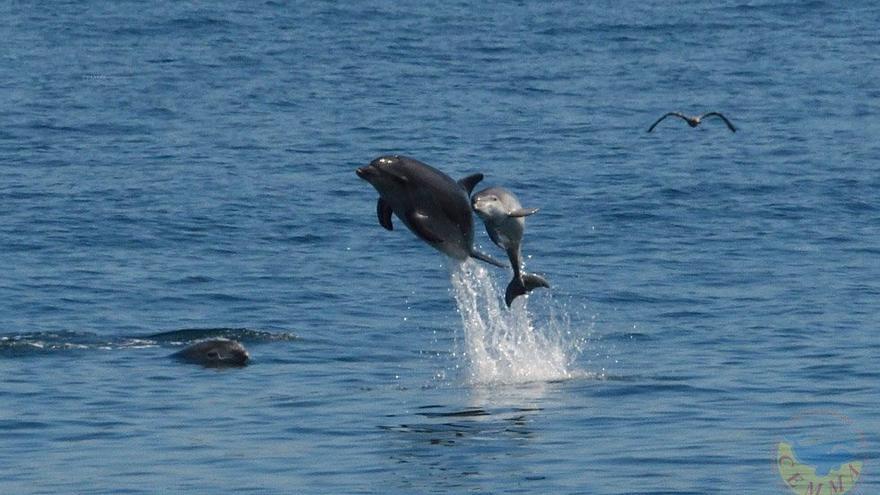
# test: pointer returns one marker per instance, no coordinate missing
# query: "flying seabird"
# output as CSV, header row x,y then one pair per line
x,y
695,120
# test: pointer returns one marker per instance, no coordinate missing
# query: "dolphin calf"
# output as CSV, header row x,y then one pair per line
x,y
432,205
504,218
214,353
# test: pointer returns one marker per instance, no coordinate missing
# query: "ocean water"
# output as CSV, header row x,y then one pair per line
x,y
181,170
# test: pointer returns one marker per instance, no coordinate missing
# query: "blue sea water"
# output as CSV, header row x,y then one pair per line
x,y
190,166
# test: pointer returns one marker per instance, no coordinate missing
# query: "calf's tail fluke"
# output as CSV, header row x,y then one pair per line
x,y
522,285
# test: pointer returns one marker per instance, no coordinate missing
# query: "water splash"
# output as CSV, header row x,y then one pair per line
x,y
502,345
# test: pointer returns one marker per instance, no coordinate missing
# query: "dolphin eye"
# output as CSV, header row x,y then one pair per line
x,y
214,355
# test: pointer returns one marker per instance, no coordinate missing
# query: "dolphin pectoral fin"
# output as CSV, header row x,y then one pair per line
x,y
383,210
517,287
486,258
522,212
469,182
421,225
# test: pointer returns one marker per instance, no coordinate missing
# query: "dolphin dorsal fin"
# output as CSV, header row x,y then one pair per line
x,y
469,182
383,211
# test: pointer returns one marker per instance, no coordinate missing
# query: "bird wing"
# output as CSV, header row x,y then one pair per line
x,y
670,114
722,117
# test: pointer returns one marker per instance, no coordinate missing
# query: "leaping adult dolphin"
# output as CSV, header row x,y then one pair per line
x,y
432,205
504,218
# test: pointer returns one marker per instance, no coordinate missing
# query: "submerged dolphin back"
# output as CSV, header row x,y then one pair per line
x,y
214,353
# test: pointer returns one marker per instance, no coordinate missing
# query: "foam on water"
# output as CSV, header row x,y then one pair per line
x,y
502,345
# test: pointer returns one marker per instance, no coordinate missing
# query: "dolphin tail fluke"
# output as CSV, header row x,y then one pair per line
x,y
533,281
488,259
514,289
518,287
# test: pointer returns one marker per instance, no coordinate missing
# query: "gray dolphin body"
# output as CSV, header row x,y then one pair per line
x,y
215,353
503,216
432,205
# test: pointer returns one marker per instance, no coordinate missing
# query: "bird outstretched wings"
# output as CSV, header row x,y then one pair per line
x,y
722,117
670,114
